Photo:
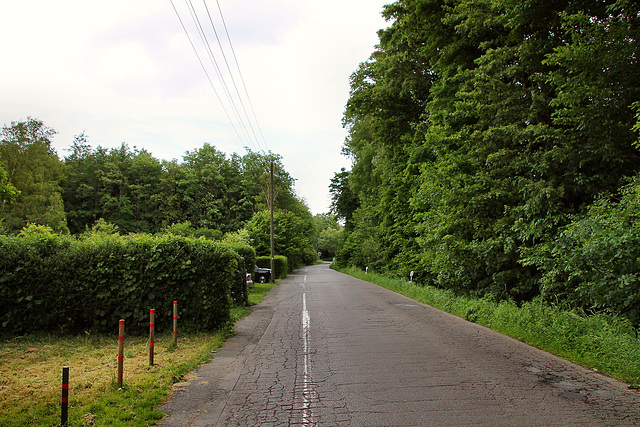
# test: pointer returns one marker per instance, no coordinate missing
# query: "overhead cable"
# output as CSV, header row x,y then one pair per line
x,y
205,70
235,102
235,58
214,62
224,56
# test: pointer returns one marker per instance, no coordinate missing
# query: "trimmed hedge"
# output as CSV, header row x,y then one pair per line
x,y
238,289
59,284
280,264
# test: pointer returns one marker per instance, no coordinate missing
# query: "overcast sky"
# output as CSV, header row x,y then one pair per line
x,y
125,71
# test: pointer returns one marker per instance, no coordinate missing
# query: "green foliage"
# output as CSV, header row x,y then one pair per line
x,y
237,237
124,190
207,194
594,263
328,235
478,130
33,172
292,237
55,283
247,260
344,202
32,230
8,193
102,227
329,240
186,230
361,247
118,185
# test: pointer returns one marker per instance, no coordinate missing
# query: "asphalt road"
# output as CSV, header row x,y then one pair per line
x,y
326,349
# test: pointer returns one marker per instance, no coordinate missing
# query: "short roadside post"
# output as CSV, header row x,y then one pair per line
x,y
64,413
175,323
152,334
120,352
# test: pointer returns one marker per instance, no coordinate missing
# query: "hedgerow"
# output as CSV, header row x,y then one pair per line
x,y
238,289
54,283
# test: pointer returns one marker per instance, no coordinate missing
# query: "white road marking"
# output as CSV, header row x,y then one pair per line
x,y
306,377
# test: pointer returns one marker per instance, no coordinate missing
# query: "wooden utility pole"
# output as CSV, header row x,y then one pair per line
x,y
271,209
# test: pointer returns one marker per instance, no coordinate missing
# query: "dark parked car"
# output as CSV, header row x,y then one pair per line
x,y
262,275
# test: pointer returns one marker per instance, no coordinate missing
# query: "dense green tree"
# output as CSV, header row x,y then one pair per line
x,y
328,235
290,234
209,191
479,129
344,201
510,169
203,186
118,185
81,199
33,168
594,263
8,193
329,241
384,117
185,229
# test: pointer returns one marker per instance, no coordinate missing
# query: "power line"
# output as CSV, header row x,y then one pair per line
x,y
217,69
243,119
224,56
240,73
205,70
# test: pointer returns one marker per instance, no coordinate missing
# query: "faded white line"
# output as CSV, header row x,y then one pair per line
x,y
306,377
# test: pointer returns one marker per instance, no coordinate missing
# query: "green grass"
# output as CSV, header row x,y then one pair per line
x,y
602,342
32,367
30,387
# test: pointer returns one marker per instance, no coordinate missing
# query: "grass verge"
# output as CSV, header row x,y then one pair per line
x,y
602,342
30,386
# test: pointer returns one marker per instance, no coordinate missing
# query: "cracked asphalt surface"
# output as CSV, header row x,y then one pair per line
x,y
326,349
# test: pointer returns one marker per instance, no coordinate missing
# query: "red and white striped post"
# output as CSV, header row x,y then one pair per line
x,y
64,413
120,352
152,334
175,323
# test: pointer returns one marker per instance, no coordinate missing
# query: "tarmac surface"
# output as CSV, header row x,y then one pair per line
x,y
326,349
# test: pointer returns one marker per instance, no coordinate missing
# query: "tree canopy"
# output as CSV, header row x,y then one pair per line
x,y
127,190
33,172
480,129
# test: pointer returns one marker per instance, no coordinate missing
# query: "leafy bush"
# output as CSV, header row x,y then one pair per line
x,y
185,229
238,289
594,264
291,237
55,283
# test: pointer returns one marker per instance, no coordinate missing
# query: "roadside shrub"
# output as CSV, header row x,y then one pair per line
x,y
58,284
238,289
594,264
185,229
